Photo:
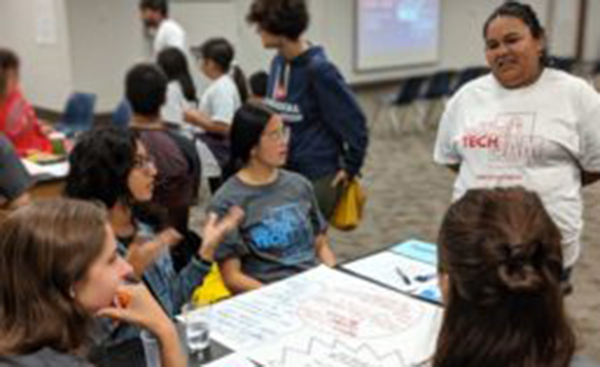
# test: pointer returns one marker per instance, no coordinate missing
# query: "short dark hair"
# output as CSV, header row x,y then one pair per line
x,y
259,83
46,248
100,165
221,52
161,6
288,18
146,89
527,15
502,255
8,61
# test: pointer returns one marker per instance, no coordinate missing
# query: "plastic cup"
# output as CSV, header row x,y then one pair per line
x,y
151,349
57,140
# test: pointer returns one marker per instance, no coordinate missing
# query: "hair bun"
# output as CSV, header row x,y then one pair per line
x,y
517,272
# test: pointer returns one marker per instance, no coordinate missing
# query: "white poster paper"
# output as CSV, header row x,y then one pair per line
x,y
327,318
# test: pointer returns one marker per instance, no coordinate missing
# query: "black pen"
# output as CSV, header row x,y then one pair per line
x,y
404,277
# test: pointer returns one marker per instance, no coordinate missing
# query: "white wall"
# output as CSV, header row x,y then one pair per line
x,y
332,25
592,41
106,40
98,40
45,68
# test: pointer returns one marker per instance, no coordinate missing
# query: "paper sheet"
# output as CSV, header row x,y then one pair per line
x,y
46,26
55,170
326,313
399,272
418,250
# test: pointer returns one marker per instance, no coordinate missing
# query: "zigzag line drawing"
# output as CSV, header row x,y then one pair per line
x,y
337,353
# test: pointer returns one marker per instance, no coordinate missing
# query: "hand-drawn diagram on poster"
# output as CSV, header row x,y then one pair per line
x,y
399,272
317,353
339,318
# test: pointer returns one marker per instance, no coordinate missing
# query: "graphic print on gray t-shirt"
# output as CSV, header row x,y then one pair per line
x,y
276,238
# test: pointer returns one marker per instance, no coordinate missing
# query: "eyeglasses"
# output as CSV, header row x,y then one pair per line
x,y
143,162
279,135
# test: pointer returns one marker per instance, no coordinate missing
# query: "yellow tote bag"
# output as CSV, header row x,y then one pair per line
x,y
212,290
349,210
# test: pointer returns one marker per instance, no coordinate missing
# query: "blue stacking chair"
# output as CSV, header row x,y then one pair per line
x,y
566,64
401,105
122,115
78,115
468,74
438,90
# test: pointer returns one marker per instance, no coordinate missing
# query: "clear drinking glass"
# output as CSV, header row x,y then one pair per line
x,y
196,318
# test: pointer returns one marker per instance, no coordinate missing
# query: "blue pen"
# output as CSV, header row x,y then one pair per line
x,y
425,277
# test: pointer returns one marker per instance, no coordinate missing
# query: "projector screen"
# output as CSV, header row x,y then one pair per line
x,y
395,33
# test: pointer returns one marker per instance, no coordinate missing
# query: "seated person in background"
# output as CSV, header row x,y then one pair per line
x,y
60,269
17,117
14,179
500,265
177,163
283,232
258,86
181,92
112,166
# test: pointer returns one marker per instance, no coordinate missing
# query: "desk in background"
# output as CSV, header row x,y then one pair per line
x,y
49,178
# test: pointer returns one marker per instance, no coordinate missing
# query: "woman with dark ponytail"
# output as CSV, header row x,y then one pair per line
x,y
227,92
500,267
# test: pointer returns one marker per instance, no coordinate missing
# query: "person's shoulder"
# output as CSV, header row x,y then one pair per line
x,y
174,87
551,74
215,88
570,89
225,84
566,81
232,190
480,84
476,88
171,26
319,64
293,178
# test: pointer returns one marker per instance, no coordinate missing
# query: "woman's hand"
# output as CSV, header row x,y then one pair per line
x,y
136,305
215,230
342,177
143,254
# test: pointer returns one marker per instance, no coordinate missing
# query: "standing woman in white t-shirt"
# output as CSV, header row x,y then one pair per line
x,y
525,124
226,93
181,91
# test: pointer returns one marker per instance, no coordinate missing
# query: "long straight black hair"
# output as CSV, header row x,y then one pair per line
x,y
175,65
249,122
